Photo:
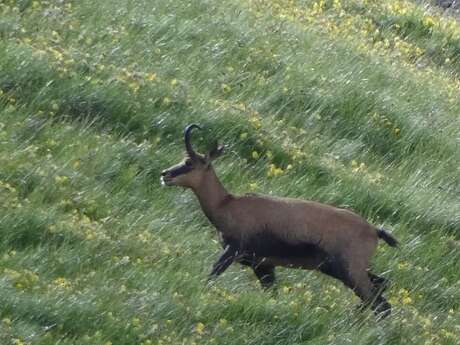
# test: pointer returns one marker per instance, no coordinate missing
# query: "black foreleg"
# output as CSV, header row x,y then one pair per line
x,y
225,260
265,274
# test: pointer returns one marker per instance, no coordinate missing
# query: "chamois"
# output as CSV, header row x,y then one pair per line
x,y
265,231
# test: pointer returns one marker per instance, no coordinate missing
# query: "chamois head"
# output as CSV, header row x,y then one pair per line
x,y
193,168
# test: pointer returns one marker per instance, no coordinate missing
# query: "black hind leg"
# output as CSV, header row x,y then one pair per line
x,y
380,283
380,306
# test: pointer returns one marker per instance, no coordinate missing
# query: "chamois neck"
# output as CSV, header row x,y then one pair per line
x,y
210,193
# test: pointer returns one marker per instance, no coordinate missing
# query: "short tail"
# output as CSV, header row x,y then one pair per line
x,y
387,237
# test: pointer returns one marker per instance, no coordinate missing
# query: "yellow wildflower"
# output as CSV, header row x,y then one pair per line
x,y
255,122
151,76
447,334
274,171
357,167
61,179
269,154
428,21
199,328
134,86
403,265
226,88
62,282
286,289
406,300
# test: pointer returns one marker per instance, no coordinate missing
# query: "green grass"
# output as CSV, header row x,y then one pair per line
x,y
353,103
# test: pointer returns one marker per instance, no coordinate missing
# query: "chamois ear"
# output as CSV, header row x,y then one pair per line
x,y
216,151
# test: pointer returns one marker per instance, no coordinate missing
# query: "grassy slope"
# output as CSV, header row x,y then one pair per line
x,y
353,103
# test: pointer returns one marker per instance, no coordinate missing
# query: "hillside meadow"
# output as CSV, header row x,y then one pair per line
x,y
353,103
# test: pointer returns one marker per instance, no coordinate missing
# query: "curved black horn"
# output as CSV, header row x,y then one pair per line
x,y
187,133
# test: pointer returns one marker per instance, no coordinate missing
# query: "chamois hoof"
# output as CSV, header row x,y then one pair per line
x,y
361,307
382,309
210,281
267,284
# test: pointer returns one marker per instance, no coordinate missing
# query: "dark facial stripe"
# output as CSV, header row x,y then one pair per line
x,y
183,169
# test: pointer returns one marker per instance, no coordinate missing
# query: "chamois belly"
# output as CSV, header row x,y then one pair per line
x,y
270,249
